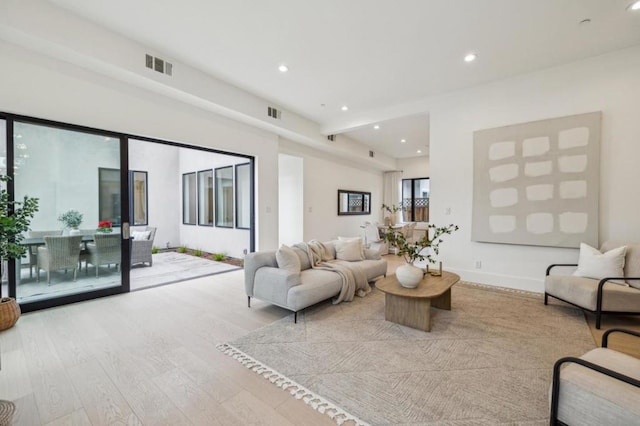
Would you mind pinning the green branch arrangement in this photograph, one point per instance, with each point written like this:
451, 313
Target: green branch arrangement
15, 217
412, 251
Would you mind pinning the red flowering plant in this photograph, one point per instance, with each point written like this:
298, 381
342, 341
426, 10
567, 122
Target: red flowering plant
104, 226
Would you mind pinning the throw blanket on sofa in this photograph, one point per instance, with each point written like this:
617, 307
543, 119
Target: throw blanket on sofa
354, 278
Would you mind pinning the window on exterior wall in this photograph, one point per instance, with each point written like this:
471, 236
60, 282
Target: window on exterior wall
205, 198
189, 211
243, 196
224, 197
139, 198
415, 200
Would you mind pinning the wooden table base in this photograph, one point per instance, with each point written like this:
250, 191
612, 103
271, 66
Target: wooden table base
412, 307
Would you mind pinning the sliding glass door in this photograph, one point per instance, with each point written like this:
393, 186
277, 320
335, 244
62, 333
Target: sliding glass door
76, 176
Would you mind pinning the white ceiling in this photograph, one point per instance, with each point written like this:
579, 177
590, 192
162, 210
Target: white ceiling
367, 54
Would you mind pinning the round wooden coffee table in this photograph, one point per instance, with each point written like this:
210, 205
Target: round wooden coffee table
412, 306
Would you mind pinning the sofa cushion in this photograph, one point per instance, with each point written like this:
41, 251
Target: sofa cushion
584, 292
349, 250
287, 259
596, 265
589, 397
317, 285
303, 257
373, 268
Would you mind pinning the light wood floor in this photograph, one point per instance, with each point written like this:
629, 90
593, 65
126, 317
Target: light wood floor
147, 357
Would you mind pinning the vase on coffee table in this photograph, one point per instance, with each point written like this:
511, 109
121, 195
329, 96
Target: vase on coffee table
409, 276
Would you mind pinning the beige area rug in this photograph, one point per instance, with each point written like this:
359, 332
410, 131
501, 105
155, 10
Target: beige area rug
487, 361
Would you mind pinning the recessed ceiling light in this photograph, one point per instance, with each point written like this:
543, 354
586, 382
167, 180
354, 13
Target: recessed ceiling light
419, 151
634, 6
344, 108
376, 127
470, 57
403, 140
283, 68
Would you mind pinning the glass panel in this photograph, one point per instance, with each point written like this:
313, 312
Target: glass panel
205, 198
139, 198
353, 202
76, 177
224, 197
421, 200
407, 200
109, 195
243, 196
189, 199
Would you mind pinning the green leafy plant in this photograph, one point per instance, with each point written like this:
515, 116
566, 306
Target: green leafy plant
392, 208
182, 249
15, 217
197, 252
154, 250
71, 219
412, 251
219, 257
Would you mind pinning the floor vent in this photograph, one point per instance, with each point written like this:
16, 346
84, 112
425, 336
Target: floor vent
372, 154
331, 137
158, 64
273, 113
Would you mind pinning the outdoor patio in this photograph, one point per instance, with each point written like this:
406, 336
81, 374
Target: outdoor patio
168, 267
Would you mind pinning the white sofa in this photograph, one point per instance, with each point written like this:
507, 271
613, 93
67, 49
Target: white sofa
298, 290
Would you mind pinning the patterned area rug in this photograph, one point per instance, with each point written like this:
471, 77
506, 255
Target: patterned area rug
487, 361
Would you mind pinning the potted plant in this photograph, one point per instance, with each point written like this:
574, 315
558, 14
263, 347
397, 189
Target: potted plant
105, 226
392, 210
15, 217
408, 274
72, 220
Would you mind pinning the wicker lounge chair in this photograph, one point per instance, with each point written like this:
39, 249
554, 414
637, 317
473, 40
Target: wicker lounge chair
33, 250
141, 248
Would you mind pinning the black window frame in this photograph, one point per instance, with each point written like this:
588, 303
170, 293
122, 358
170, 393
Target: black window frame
411, 205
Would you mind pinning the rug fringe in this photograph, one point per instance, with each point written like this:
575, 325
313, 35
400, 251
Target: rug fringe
298, 391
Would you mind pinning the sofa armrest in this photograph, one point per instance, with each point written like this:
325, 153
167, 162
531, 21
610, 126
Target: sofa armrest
372, 254
559, 264
605, 336
253, 262
555, 385
273, 284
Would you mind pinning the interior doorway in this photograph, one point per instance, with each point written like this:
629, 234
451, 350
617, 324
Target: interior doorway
291, 199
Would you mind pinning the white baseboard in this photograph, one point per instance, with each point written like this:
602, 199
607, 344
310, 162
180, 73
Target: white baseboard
500, 280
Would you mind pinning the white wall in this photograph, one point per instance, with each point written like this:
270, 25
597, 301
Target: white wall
38, 86
323, 176
212, 239
163, 188
291, 198
609, 83
414, 167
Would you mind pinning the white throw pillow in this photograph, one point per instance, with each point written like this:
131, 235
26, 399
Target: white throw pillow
358, 239
349, 250
593, 264
140, 235
287, 259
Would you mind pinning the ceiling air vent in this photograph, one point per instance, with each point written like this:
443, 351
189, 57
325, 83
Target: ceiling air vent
273, 113
372, 154
331, 137
158, 64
